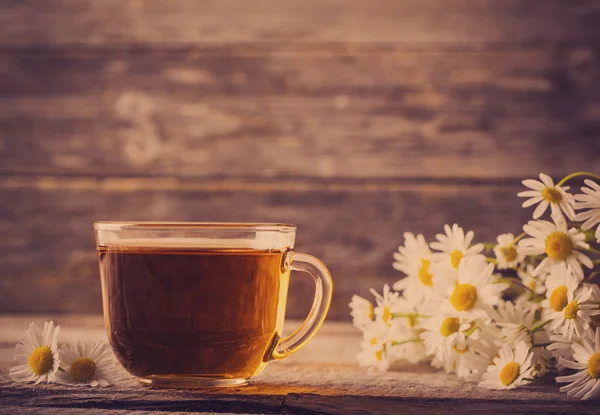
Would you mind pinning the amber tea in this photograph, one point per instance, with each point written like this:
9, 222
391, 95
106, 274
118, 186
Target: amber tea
202, 304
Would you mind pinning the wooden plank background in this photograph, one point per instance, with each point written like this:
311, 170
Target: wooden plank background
356, 121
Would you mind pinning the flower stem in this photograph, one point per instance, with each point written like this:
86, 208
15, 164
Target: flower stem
491, 260
515, 284
518, 238
591, 276
577, 174
407, 341
539, 327
592, 250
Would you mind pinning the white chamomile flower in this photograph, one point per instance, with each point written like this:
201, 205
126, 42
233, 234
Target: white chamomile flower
589, 200
476, 290
515, 320
547, 194
413, 259
362, 311
453, 247
586, 359
375, 347
442, 333
37, 355
512, 368
568, 306
86, 363
534, 283
508, 254
387, 304
559, 244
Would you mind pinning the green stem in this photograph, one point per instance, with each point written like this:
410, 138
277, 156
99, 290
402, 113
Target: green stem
591, 276
409, 315
577, 174
515, 284
471, 330
407, 341
539, 327
491, 260
518, 238
593, 250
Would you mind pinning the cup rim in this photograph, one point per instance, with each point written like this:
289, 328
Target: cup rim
162, 225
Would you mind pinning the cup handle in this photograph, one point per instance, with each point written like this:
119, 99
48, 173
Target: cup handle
314, 320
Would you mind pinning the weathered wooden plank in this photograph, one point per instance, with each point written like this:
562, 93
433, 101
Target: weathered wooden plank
47, 245
24, 410
322, 378
376, 113
24, 23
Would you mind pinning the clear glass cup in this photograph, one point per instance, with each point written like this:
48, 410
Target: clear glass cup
191, 304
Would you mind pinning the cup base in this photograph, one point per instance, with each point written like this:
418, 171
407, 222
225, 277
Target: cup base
196, 382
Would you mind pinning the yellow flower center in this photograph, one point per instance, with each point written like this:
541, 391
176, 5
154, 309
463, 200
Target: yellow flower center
559, 246
83, 369
424, 275
509, 373
571, 310
532, 284
460, 351
463, 297
551, 195
558, 298
593, 365
449, 326
386, 315
455, 257
371, 312
379, 355
374, 341
509, 253
41, 360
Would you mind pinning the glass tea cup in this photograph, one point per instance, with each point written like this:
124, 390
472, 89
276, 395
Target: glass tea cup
190, 304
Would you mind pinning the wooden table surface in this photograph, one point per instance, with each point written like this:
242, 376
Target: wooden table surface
321, 378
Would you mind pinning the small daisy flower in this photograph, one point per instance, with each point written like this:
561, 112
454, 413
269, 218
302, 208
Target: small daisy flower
534, 283
413, 259
37, 355
453, 247
586, 359
362, 311
86, 363
512, 368
567, 305
515, 320
387, 304
589, 200
375, 347
442, 333
476, 290
546, 194
559, 244
508, 254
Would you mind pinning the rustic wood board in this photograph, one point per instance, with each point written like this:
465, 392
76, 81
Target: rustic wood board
322, 378
324, 112
48, 241
26, 23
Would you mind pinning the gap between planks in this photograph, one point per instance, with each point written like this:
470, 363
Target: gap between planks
128, 184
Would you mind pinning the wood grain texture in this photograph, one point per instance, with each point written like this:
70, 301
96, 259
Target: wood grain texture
322, 378
326, 112
48, 256
25, 23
